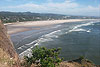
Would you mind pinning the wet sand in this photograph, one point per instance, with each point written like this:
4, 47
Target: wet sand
31, 25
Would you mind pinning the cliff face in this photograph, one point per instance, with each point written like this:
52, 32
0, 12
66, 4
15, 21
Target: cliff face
7, 50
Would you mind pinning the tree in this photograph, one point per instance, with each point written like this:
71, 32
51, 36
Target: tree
44, 57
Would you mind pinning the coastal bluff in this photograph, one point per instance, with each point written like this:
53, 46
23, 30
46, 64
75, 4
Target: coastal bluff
8, 55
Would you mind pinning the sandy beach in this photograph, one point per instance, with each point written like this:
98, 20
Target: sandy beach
25, 26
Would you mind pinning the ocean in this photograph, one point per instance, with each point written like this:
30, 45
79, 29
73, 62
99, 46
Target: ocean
76, 39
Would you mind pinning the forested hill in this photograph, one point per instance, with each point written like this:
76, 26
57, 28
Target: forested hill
7, 17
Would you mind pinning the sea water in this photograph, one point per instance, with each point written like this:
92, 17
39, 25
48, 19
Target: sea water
76, 39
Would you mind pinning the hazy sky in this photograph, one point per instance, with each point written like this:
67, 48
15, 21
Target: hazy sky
68, 7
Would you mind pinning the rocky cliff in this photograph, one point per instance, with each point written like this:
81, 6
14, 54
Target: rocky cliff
8, 54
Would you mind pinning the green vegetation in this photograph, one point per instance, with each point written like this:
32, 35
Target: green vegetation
8, 17
44, 57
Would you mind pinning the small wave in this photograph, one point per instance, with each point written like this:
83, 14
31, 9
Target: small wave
43, 38
88, 30
79, 30
31, 42
24, 39
26, 53
78, 27
19, 48
48, 37
22, 47
52, 34
57, 26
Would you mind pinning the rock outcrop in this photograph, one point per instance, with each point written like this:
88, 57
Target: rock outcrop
7, 51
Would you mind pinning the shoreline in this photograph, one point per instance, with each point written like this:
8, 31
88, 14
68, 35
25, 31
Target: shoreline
28, 25
27, 39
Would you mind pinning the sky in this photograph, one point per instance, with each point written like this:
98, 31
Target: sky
67, 7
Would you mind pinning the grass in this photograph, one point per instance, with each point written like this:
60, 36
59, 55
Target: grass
5, 60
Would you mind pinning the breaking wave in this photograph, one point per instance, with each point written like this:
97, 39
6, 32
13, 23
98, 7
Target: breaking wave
52, 35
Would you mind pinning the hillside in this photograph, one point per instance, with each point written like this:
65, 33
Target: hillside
8, 55
7, 17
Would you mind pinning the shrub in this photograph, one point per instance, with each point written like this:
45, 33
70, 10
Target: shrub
44, 57
81, 57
